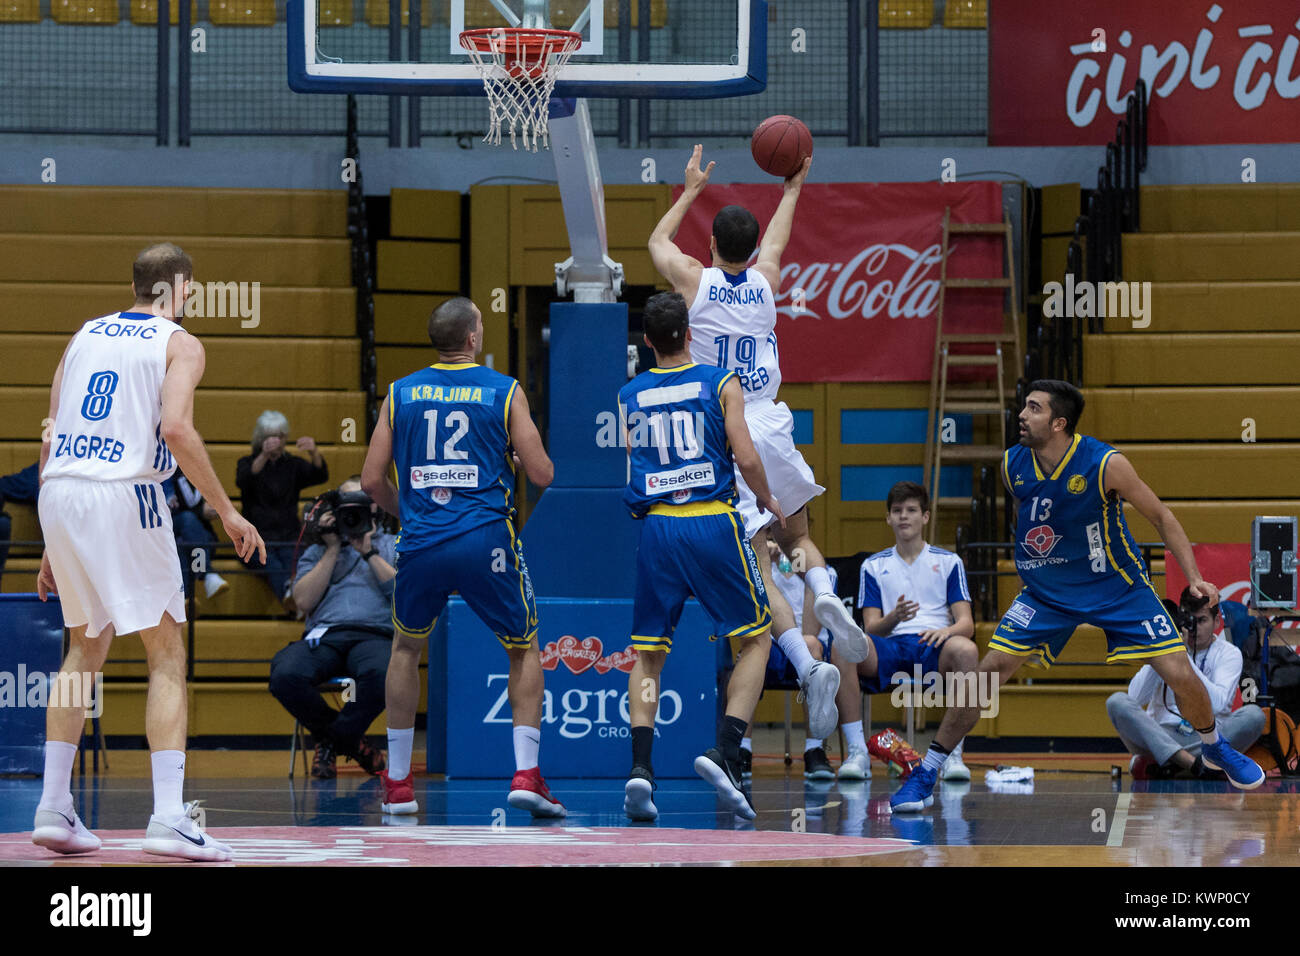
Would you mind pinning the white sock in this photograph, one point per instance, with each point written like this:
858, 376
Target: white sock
792, 644
527, 742
819, 581
810, 744
853, 736
747, 744
1211, 738
934, 760
400, 743
56, 792
168, 783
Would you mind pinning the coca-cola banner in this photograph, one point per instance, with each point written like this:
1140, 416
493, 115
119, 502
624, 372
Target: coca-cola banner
1215, 73
860, 277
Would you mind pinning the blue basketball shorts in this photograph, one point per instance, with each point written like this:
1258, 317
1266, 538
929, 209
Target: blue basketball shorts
486, 565
705, 555
1136, 624
900, 653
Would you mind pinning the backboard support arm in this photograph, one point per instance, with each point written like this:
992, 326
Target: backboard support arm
589, 273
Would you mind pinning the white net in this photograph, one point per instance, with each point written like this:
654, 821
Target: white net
519, 68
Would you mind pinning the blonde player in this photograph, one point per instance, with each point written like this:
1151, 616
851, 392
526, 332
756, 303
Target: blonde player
122, 410
733, 323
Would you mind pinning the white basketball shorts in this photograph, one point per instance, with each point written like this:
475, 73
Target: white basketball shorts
789, 478
113, 554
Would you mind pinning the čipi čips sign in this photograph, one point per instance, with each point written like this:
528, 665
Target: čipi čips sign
586, 659
1216, 72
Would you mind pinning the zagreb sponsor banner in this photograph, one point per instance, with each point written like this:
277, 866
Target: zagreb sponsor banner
586, 657
1215, 72
860, 276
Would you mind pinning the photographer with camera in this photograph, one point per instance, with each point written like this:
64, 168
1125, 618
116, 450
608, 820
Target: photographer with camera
344, 585
1163, 743
269, 481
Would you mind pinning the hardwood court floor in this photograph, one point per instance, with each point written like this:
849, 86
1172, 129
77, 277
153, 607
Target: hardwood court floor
1067, 818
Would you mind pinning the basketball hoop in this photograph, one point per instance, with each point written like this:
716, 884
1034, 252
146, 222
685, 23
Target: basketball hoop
519, 68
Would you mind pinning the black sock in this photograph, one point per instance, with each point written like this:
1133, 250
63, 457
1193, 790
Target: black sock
642, 739
730, 736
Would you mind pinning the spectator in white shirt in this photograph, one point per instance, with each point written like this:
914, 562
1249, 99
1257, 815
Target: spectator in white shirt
1161, 740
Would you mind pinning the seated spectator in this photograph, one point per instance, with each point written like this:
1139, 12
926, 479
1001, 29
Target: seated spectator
192, 524
779, 669
929, 624
1161, 740
270, 481
345, 587
22, 487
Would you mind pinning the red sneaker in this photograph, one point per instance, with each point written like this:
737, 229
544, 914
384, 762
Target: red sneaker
893, 750
528, 791
399, 795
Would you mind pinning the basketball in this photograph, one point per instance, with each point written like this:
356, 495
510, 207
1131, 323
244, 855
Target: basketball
780, 144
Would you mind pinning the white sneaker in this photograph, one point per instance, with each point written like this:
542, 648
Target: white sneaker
953, 768
182, 837
214, 584
62, 832
834, 616
856, 766
638, 803
818, 691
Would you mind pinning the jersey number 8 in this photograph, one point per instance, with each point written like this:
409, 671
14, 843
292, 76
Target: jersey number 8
99, 396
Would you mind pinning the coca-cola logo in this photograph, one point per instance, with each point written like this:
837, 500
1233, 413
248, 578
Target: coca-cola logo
864, 286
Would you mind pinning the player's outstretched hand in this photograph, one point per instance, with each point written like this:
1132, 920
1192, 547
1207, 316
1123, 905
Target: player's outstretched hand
241, 531
697, 179
45, 579
773, 507
1206, 589
796, 179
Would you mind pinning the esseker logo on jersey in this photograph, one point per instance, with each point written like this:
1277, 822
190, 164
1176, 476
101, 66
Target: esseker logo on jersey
691, 476
444, 476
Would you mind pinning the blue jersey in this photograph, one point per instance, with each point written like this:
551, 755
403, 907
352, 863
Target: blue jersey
1073, 547
677, 438
451, 449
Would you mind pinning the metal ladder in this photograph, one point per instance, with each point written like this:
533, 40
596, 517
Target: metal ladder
987, 400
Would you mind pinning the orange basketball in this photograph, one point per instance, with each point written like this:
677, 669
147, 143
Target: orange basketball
780, 145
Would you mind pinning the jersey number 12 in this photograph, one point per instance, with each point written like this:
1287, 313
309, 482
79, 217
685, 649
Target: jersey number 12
450, 452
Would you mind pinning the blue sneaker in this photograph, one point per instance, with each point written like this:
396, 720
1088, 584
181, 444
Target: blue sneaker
1243, 773
916, 793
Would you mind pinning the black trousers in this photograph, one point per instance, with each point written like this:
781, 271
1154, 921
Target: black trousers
297, 669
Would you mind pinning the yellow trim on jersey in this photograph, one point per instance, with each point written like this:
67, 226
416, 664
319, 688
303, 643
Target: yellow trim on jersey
391, 409
693, 509
722, 382
510, 397
1006, 472
515, 642
454, 367
1101, 475
675, 368
1060, 466
1110, 555
515, 549
749, 577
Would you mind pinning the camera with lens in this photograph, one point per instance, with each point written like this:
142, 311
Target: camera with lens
353, 512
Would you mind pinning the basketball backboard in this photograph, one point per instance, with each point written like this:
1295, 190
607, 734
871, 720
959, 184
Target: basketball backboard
697, 50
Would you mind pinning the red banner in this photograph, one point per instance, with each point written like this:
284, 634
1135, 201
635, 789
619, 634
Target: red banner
860, 276
1215, 72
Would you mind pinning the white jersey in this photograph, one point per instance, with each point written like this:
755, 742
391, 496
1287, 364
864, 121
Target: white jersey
733, 326
109, 423
936, 579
